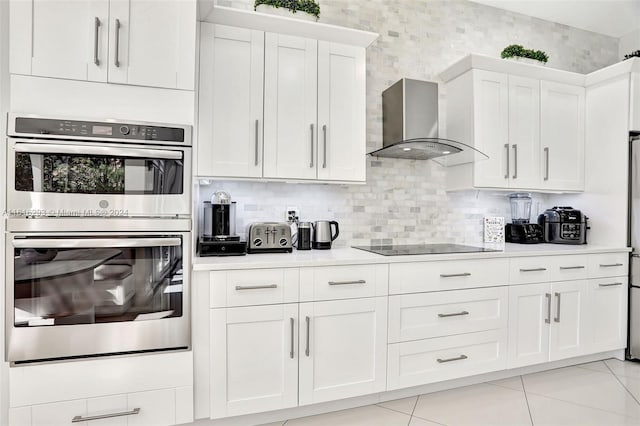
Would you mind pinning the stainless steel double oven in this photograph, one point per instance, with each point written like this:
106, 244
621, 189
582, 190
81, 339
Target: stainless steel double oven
98, 237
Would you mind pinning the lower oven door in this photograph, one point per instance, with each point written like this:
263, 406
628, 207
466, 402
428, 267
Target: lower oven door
86, 294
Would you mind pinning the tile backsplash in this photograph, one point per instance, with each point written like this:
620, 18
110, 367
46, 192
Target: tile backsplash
404, 201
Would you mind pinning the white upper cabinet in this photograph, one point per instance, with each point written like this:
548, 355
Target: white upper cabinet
341, 112
524, 132
290, 107
231, 97
562, 136
137, 42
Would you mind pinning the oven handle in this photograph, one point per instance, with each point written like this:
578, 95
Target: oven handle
95, 242
97, 150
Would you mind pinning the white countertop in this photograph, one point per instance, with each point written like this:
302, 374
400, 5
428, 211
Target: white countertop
351, 256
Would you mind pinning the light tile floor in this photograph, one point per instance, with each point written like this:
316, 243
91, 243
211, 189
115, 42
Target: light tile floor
600, 393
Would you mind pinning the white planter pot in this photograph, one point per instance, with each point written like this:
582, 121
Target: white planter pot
282, 11
527, 61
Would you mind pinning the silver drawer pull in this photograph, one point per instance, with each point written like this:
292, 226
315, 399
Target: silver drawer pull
255, 287
610, 265
557, 318
533, 270
78, 419
464, 274
571, 267
458, 358
347, 282
547, 320
609, 284
457, 314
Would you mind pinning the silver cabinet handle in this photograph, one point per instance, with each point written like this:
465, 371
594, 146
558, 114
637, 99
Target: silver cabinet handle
347, 282
457, 314
515, 161
609, 284
533, 270
324, 137
610, 265
547, 320
458, 358
506, 148
78, 419
311, 162
255, 287
557, 317
94, 242
308, 322
116, 60
257, 130
463, 274
291, 321
96, 33
546, 162
571, 267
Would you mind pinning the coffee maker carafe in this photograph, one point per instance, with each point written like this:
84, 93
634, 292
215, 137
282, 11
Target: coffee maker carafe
218, 233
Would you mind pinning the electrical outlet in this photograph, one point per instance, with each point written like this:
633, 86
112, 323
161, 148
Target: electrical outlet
291, 213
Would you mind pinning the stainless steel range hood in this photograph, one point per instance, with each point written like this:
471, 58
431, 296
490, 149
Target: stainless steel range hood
410, 126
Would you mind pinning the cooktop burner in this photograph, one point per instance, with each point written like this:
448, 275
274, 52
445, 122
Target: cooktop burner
401, 250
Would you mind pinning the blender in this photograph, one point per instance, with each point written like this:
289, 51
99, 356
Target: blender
520, 230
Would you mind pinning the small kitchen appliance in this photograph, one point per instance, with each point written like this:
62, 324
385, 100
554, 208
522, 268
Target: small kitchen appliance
322, 235
564, 225
269, 237
218, 235
520, 230
304, 236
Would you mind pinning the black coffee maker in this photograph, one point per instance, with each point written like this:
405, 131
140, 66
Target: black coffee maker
218, 233
520, 230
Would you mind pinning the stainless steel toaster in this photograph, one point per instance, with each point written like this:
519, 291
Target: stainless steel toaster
269, 237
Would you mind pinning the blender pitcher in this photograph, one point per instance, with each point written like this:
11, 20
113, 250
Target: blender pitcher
520, 207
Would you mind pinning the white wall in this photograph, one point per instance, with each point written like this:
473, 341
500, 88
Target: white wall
629, 42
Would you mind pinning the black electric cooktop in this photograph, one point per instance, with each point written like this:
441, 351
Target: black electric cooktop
401, 250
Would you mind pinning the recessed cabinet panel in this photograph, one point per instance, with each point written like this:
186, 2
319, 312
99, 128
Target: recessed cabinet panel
568, 335
290, 107
524, 132
529, 319
608, 313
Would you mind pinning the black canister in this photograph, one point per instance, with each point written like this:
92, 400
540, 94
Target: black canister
304, 236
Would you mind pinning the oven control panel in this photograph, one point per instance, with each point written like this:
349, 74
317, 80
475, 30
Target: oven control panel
40, 127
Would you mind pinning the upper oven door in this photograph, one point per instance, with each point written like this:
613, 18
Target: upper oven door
63, 178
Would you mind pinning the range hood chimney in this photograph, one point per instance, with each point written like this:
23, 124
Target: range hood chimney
410, 126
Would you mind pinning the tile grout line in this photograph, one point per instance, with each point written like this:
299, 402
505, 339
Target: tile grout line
622, 384
526, 400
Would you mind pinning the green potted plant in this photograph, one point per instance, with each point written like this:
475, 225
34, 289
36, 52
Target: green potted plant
302, 9
634, 54
517, 52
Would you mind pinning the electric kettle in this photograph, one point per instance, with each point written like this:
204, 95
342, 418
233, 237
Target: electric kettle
322, 235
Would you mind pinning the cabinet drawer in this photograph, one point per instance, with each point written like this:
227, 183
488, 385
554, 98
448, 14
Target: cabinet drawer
447, 275
524, 270
566, 268
608, 265
444, 358
253, 287
343, 282
425, 315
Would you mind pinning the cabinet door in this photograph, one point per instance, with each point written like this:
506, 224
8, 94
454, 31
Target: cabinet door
231, 96
341, 112
524, 132
568, 336
562, 136
529, 317
491, 128
608, 313
343, 349
60, 39
152, 43
290, 107
254, 359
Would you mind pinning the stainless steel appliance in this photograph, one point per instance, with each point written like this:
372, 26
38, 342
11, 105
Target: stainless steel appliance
269, 237
633, 349
69, 167
421, 249
410, 126
322, 235
520, 230
304, 236
218, 231
96, 291
564, 225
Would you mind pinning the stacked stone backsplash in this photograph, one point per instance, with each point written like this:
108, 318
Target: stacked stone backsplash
405, 201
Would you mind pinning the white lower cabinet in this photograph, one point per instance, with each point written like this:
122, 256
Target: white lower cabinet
608, 313
343, 349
